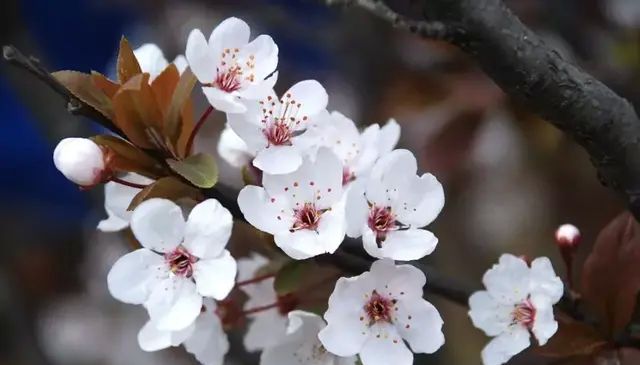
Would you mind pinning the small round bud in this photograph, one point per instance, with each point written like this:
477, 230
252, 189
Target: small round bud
568, 235
80, 160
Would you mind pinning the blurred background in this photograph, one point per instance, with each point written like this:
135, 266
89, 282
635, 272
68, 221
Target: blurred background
510, 178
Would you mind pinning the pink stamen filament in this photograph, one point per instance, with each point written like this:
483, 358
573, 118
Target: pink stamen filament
307, 217
181, 262
379, 308
524, 314
381, 220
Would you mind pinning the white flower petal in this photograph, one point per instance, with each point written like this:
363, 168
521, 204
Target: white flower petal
150, 338
230, 33
301, 244
278, 159
545, 281
271, 215
181, 63
345, 333
209, 342
248, 266
247, 130
311, 96
544, 325
508, 281
402, 281
233, 149
385, 346
208, 229
403, 245
300, 345
420, 201
259, 294
215, 277
388, 137
332, 228
260, 90
223, 101
357, 209
200, 57
266, 329
174, 304
395, 169
265, 55
80, 160
158, 224
117, 198
134, 276
113, 223
489, 315
505, 346
420, 324
151, 59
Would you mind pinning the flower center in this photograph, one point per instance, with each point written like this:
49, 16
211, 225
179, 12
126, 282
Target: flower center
228, 80
379, 308
307, 217
381, 220
524, 314
180, 262
278, 134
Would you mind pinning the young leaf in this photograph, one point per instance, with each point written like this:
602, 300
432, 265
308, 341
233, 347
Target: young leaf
289, 277
81, 85
128, 65
163, 87
199, 169
573, 339
611, 274
181, 95
168, 187
126, 157
108, 87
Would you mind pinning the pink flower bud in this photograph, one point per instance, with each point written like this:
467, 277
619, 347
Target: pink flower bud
80, 160
567, 236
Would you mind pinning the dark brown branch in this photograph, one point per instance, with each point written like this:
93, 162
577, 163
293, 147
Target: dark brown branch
529, 70
75, 106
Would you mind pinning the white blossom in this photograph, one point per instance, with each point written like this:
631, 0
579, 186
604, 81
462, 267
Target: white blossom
152, 60
80, 160
230, 67
519, 299
117, 198
357, 150
233, 149
205, 338
390, 207
268, 327
374, 313
301, 346
180, 262
303, 210
276, 130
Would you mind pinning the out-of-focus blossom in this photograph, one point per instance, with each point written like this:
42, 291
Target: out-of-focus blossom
301, 344
233, 149
303, 210
231, 68
374, 313
519, 299
152, 60
180, 262
390, 207
117, 198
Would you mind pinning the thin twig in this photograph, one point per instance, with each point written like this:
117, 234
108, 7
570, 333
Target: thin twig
426, 29
196, 129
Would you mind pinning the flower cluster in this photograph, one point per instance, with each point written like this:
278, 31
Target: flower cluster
313, 178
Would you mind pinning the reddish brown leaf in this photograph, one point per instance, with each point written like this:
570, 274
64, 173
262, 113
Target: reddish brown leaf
126, 157
187, 125
181, 97
573, 339
169, 187
611, 274
82, 87
128, 65
163, 87
107, 86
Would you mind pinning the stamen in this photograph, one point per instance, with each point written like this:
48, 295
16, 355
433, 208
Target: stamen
307, 217
524, 314
381, 220
379, 308
181, 262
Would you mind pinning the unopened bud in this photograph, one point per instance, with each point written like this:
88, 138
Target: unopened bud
568, 236
80, 160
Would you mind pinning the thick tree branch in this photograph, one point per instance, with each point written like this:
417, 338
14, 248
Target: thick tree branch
529, 70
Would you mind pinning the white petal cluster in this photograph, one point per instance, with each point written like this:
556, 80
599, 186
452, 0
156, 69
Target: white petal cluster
80, 160
518, 301
180, 262
152, 60
373, 314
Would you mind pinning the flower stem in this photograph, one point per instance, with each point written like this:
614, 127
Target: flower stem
261, 308
128, 183
257, 279
196, 129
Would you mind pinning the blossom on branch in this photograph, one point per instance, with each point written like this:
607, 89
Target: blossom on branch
519, 299
230, 68
303, 210
152, 60
301, 344
374, 313
276, 130
180, 262
80, 160
117, 198
390, 207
